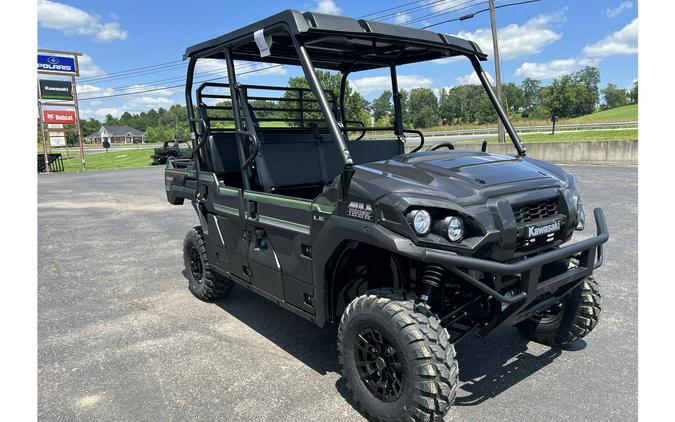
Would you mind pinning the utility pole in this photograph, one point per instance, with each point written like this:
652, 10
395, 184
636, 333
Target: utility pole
498, 71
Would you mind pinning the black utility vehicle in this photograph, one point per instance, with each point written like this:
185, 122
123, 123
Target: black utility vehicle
407, 252
170, 151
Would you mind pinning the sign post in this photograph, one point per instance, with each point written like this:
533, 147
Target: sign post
58, 63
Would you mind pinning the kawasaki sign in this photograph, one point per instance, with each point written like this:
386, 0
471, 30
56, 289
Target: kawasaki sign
56, 90
61, 64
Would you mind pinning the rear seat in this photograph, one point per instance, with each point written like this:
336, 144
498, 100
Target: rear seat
295, 162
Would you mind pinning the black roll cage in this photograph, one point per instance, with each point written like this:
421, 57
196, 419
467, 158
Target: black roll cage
242, 115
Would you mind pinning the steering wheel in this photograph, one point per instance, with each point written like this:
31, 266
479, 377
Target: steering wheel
448, 145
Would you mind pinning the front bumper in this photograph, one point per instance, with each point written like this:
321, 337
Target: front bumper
536, 292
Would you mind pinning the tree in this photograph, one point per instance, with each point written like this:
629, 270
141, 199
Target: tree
587, 91
531, 91
614, 96
160, 133
514, 97
423, 108
382, 106
467, 104
110, 120
356, 107
558, 98
572, 95
633, 93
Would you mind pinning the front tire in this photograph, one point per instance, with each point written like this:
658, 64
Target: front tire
203, 282
397, 359
568, 321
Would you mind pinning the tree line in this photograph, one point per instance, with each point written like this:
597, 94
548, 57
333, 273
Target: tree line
567, 96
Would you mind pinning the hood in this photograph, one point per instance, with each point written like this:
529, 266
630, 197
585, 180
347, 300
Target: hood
462, 175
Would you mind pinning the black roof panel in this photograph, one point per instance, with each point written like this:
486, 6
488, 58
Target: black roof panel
337, 42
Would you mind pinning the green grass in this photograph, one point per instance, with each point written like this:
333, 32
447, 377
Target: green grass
110, 160
627, 113
583, 135
576, 136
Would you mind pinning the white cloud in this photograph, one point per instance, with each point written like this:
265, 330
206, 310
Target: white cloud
93, 91
326, 6
613, 12
401, 18
147, 102
439, 6
160, 90
218, 67
472, 79
621, 42
72, 20
88, 68
519, 40
375, 84
100, 113
261, 69
554, 68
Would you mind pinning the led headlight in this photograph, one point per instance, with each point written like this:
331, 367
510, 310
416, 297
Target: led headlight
421, 221
454, 228
576, 202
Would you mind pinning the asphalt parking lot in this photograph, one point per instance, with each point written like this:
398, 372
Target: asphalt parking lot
120, 338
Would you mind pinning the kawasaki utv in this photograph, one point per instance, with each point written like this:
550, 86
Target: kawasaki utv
408, 252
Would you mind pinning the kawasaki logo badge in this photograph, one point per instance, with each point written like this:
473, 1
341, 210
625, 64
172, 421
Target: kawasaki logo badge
534, 231
359, 210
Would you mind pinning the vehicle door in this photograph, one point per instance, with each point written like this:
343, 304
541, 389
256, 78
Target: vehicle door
279, 254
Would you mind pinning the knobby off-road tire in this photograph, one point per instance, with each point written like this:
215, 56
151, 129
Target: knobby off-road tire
204, 283
420, 352
572, 319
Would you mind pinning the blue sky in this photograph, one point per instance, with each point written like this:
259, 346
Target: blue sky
539, 40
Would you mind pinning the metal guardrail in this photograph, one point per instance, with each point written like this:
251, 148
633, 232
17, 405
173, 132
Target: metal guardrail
524, 129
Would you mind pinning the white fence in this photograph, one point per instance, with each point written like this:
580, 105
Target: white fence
519, 129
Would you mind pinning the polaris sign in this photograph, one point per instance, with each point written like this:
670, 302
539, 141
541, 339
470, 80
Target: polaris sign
61, 64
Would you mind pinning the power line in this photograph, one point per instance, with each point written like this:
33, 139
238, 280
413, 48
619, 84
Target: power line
91, 78
471, 15
454, 8
172, 79
390, 8
176, 86
411, 9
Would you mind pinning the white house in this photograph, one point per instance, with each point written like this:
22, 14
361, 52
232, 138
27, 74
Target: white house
117, 134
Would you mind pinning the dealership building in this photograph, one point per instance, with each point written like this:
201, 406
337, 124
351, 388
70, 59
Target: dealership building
117, 134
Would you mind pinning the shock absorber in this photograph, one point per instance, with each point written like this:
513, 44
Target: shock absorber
432, 278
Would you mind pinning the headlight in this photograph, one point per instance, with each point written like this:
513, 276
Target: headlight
576, 202
421, 221
454, 228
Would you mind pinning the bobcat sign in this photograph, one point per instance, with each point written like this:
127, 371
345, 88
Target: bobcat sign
66, 117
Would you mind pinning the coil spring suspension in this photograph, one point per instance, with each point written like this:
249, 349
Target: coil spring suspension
432, 278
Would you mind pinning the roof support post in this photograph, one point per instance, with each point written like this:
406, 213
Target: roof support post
343, 89
188, 100
498, 107
320, 95
234, 98
396, 98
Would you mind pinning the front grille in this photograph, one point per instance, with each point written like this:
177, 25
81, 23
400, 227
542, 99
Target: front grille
523, 245
535, 210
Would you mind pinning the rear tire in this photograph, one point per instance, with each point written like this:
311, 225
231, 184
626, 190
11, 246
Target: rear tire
203, 282
570, 320
397, 359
